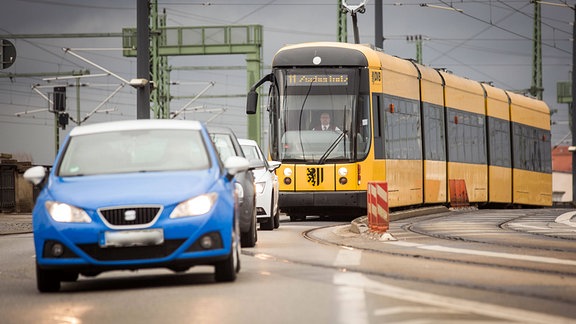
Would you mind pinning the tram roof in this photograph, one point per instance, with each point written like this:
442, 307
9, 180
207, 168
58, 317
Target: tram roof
497, 102
529, 111
330, 54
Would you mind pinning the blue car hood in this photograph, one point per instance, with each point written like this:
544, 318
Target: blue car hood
163, 188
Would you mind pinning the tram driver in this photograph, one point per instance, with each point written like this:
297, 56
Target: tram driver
325, 124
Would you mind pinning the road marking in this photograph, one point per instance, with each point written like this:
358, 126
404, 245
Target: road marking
351, 305
566, 219
358, 280
486, 253
351, 300
347, 257
531, 226
413, 310
499, 233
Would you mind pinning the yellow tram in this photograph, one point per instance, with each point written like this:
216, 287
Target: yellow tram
431, 135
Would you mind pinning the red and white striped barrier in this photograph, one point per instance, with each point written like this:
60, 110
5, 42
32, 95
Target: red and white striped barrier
378, 212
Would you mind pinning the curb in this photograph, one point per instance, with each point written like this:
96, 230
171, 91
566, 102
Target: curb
360, 224
15, 224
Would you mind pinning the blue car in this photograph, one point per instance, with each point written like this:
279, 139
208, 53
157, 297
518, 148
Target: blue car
136, 194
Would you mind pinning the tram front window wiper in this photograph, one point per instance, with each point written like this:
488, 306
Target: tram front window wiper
332, 147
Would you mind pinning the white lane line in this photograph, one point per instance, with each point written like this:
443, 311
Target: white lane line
347, 257
566, 219
499, 233
358, 280
486, 253
351, 300
541, 228
414, 310
351, 303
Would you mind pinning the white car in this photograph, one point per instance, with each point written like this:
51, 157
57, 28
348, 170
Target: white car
266, 182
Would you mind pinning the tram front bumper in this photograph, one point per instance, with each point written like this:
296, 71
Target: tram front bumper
353, 199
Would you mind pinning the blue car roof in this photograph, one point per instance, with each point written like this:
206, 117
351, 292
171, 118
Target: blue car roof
136, 125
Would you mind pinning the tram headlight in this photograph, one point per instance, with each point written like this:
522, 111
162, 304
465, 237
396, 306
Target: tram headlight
342, 172
343, 180
287, 172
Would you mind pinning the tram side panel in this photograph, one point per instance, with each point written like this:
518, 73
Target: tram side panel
466, 135
532, 161
499, 145
433, 133
400, 118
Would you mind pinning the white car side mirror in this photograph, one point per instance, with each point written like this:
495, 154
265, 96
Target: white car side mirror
273, 165
35, 174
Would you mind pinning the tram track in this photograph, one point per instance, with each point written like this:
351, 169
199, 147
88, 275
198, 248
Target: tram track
411, 232
545, 240
413, 254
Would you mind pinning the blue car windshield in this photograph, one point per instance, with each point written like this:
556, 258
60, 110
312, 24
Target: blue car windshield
149, 150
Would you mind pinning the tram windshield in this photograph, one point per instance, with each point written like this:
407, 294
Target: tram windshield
319, 116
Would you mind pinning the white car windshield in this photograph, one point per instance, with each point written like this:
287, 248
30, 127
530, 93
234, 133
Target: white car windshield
224, 145
134, 151
251, 153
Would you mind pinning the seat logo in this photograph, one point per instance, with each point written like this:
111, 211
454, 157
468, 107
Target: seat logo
130, 215
315, 176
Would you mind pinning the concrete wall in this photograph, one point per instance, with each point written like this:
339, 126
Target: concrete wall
561, 187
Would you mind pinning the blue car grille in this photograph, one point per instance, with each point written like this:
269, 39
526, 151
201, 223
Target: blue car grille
133, 252
129, 216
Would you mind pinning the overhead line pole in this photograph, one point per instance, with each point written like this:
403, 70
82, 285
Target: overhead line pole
573, 107
342, 26
143, 59
536, 88
379, 25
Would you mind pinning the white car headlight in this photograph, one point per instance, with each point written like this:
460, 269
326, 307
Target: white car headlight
65, 213
196, 206
260, 186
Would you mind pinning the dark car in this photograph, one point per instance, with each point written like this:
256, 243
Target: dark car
227, 145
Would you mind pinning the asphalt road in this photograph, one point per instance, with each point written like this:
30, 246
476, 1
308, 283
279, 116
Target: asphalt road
459, 266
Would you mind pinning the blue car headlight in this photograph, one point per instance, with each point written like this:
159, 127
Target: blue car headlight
196, 206
65, 213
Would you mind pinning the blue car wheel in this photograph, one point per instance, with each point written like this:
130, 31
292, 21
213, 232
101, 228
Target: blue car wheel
226, 270
47, 280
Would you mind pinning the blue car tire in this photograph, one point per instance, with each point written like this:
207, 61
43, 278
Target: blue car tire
226, 270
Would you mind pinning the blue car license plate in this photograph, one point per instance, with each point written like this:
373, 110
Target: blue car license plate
154, 236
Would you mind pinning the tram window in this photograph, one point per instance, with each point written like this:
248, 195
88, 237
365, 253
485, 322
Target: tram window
378, 119
362, 128
531, 148
546, 152
466, 137
402, 129
434, 132
499, 137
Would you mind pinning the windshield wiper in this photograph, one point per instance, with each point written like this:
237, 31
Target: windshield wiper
73, 175
332, 147
300, 118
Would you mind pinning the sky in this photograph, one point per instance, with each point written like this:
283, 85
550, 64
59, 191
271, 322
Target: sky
484, 40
